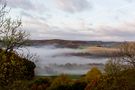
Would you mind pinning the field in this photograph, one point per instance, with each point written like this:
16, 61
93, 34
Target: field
98, 52
101, 51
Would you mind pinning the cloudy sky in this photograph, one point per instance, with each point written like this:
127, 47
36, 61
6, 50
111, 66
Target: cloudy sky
76, 19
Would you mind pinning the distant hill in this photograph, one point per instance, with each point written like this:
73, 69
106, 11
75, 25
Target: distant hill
72, 43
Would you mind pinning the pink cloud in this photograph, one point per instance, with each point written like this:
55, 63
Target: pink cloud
73, 5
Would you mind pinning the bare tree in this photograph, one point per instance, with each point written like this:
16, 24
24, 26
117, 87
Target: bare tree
3, 12
127, 50
114, 66
125, 61
11, 34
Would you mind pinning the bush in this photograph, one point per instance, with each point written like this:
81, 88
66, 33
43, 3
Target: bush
115, 78
61, 83
93, 74
129, 76
14, 68
78, 85
110, 83
19, 85
40, 84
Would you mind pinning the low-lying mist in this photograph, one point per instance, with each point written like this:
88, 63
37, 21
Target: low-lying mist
54, 61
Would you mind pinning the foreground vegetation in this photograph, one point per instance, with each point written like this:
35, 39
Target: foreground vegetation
93, 80
17, 71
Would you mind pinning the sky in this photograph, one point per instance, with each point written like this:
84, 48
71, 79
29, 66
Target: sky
100, 20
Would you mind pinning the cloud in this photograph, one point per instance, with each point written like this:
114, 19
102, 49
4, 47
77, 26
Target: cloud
23, 4
54, 24
73, 5
26, 14
41, 30
123, 32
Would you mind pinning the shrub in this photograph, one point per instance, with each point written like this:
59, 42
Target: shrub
123, 81
61, 83
93, 74
111, 83
19, 85
40, 84
129, 75
78, 85
14, 68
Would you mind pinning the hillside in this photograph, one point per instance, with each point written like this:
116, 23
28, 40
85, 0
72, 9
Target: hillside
72, 43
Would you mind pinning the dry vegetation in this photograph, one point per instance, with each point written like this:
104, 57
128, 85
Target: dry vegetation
101, 51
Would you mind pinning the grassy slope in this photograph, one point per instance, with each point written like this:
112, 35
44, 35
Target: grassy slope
101, 50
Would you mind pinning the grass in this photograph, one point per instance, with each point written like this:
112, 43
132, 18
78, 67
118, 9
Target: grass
94, 50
